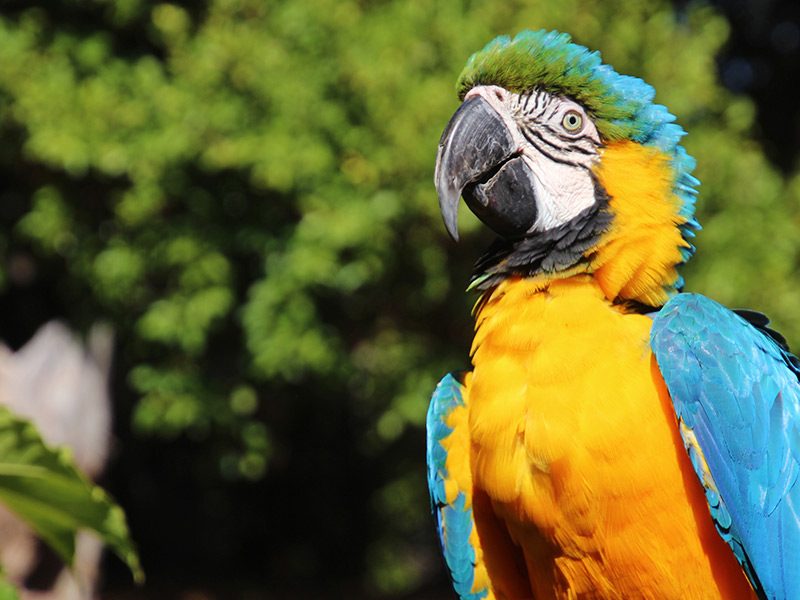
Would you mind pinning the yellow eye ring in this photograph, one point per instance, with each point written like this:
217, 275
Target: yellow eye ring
572, 121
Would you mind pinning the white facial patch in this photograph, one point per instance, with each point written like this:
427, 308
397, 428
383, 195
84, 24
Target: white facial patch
562, 191
558, 141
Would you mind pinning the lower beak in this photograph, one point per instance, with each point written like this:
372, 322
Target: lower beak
479, 158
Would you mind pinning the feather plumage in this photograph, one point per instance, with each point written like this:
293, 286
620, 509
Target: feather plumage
737, 397
451, 494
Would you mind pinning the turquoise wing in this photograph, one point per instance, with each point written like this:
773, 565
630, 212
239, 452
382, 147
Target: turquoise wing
454, 520
734, 386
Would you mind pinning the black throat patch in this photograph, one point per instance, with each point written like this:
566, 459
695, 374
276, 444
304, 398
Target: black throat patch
546, 252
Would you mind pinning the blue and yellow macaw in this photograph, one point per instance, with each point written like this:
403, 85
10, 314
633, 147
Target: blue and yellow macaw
614, 438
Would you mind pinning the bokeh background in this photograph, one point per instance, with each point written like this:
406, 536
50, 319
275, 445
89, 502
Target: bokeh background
242, 190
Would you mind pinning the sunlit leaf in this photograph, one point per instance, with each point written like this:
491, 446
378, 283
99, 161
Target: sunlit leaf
43, 487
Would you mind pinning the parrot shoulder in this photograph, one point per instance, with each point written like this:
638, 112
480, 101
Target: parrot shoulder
735, 390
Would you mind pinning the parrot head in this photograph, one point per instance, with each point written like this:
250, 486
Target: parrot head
573, 167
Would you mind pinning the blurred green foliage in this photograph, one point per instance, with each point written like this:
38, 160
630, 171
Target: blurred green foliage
244, 188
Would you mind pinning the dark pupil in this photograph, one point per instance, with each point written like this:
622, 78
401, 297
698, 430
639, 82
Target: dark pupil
572, 120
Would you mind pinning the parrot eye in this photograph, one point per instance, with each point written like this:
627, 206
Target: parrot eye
572, 121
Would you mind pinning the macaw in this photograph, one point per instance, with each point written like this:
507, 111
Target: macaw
615, 438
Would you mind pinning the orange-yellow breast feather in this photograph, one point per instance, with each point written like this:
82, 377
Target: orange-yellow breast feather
574, 444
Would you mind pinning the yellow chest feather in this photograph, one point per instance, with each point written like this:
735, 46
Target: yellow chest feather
575, 445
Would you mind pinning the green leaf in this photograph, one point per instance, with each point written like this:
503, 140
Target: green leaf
43, 487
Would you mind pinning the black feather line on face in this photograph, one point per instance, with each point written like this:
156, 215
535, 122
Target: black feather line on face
550, 251
529, 135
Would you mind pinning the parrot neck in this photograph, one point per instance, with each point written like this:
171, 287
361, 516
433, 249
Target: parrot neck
637, 258
631, 241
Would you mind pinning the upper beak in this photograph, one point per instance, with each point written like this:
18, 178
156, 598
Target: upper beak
479, 158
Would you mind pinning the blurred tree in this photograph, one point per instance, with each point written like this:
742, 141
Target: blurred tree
244, 189
763, 54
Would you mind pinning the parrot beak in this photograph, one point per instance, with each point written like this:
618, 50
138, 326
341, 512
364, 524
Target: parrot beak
479, 158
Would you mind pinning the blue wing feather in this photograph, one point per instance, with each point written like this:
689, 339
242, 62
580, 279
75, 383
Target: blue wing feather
736, 394
454, 521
